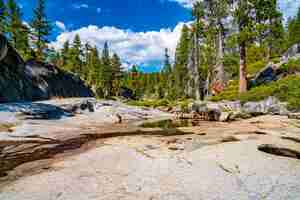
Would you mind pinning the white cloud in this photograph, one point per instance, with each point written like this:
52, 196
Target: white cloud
289, 7
142, 48
99, 10
79, 6
61, 25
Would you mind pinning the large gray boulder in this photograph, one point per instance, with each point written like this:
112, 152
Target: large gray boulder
32, 80
270, 105
3, 47
292, 52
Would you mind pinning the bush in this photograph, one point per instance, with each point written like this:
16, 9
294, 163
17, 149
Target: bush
256, 67
286, 90
231, 65
230, 93
292, 67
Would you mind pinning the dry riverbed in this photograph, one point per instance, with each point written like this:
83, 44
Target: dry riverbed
91, 157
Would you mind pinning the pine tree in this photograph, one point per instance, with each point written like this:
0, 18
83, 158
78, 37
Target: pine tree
167, 69
95, 69
166, 76
107, 78
269, 26
117, 73
14, 22
75, 56
254, 19
65, 51
3, 17
41, 28
18, 32
294, 30
181, 61
244, 18
216, 12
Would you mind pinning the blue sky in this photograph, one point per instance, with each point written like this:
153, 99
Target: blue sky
138, 30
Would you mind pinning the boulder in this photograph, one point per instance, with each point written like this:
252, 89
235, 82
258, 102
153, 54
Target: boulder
3, 47
81, 107
265, 76
292, 52
197, 106
126, 93
269, 106
32, 80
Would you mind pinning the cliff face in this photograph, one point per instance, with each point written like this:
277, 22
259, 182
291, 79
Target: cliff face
32, 80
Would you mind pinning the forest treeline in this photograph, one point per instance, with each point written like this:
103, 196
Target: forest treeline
227, 40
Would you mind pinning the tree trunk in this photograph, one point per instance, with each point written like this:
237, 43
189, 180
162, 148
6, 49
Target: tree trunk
243, 68
220, 74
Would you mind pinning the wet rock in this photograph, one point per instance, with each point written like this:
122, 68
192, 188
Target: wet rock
214, 115
126, 93
279, 150
42, 111
81, 107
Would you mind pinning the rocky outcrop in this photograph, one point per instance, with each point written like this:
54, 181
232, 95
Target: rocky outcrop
32, 80
292, 52
53, 82
232, 110
269, 106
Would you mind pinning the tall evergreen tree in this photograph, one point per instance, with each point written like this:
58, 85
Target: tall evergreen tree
245, 20
167, 65
294, 29
269, 26
18, 32
41, 28
77, 55
14, 22
107, 78
95, 69
3, 17
181, 61
117, 73
65, 52
216, 13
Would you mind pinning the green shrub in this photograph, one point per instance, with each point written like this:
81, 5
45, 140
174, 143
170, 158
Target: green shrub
286, 90
230, 93
293, 66
231, 64
256, 67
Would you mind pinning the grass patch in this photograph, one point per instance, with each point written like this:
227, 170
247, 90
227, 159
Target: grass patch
7, 127
256, 67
